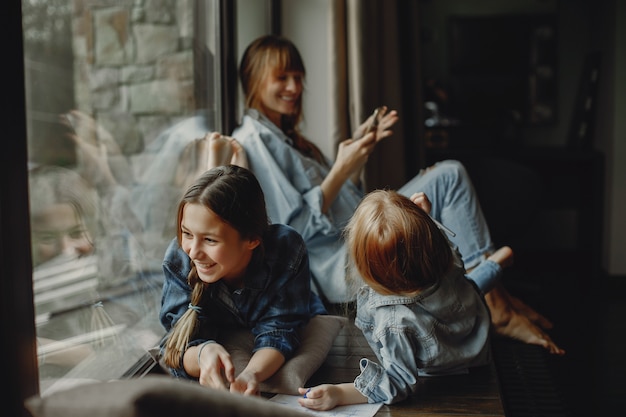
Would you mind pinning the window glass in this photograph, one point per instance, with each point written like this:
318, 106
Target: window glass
116, 93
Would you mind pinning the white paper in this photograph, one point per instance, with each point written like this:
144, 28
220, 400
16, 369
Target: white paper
355, 410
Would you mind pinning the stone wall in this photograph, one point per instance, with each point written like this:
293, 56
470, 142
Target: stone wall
133, 66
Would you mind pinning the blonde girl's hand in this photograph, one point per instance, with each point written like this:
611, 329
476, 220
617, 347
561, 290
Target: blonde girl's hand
422, 201
216, 366
383, 131
321, 398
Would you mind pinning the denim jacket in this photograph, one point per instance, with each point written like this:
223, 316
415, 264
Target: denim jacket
442, 330
275, 303
291, 183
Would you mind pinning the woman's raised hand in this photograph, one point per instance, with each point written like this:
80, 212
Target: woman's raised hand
352, 155
386, 121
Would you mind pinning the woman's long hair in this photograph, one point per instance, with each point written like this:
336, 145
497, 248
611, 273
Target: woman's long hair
262, 58
395, 245
235, 195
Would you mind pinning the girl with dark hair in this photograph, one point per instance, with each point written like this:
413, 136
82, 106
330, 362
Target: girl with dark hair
230, 268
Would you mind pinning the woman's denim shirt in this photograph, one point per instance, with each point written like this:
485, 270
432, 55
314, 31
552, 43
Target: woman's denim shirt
291, 183
275, 303
443, 330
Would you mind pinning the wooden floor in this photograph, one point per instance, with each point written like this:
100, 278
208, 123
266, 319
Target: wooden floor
473, 394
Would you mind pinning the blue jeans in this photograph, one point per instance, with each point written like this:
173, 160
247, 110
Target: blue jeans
455, 204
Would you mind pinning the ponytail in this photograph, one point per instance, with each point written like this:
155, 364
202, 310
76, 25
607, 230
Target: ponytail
185, 327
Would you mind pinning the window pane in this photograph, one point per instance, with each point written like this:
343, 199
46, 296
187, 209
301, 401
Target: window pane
117, 91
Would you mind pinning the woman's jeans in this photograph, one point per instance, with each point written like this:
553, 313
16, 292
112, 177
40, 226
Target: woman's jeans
455, 204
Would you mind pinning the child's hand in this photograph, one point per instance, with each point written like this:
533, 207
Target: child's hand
422, 201
216, 367
322, 397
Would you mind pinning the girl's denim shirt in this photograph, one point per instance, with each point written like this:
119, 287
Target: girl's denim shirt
443, 330
275, 303
291, 183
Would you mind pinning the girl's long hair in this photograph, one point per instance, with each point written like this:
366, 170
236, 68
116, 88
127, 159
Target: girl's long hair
395, 245
262, 58
235, 195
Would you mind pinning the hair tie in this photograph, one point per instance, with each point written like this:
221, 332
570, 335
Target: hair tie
197, 309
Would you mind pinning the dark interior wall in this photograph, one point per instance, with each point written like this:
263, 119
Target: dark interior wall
574, 20
583, 26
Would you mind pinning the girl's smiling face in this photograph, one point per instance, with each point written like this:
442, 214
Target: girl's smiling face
59, 230
280, 94
216, 248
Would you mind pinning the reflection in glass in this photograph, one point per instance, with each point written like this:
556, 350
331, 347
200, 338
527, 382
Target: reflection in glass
116, 94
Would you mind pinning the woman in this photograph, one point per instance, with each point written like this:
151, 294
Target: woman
229, 268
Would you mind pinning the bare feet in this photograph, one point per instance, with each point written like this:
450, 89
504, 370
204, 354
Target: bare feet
503, 256
224, 150
205, 153
220, 150
529, 312
509, 319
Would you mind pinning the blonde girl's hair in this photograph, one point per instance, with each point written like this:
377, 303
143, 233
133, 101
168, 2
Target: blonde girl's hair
262, 58
235, 195
395, 246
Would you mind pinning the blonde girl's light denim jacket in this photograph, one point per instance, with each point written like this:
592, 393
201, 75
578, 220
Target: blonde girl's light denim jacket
443, 330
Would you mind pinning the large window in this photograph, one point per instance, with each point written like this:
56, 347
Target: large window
116, 93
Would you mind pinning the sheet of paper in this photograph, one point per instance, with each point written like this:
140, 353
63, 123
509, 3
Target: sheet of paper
355, 410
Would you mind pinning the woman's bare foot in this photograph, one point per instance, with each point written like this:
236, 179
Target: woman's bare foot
503, 256
224, 150
220, 150
205, 153
239, 154
509, 322
529, 312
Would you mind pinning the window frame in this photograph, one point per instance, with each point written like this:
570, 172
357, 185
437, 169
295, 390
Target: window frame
17, 316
